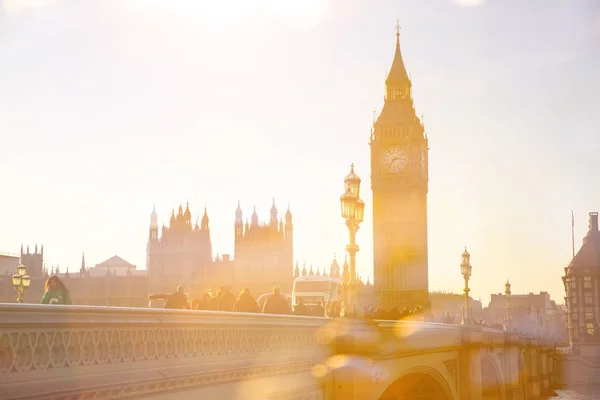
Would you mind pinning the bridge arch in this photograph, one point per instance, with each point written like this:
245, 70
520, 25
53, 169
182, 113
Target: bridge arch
419, 383
491, 379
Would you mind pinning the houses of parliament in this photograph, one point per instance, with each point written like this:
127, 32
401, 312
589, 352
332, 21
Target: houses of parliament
181, 252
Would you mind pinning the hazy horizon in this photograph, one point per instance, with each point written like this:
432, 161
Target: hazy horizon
107, 108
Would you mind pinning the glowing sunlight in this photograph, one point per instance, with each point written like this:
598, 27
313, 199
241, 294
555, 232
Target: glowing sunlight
17, 6
226, 15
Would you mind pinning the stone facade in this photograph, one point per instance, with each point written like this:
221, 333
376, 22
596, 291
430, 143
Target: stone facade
181, 254
582, 287
114, 282
34, 261
529, 313
399, 181
54, 352
264, 251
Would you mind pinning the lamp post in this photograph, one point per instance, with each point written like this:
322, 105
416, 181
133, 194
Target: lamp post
353, 210
507, 294
465, 269
21, 281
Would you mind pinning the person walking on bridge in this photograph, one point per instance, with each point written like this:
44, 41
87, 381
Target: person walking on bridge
246, 302
276, 303
55, 292
176, 301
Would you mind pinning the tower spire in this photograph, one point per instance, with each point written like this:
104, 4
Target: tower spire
204, 222
398, 72
82, 269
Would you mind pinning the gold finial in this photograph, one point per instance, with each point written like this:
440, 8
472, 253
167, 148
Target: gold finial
374, 115
352, 167
398, 27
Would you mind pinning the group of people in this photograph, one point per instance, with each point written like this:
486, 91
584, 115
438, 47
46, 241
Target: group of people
55, 292
394, 313
225, 300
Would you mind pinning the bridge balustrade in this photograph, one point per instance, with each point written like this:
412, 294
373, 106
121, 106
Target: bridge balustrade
80, 352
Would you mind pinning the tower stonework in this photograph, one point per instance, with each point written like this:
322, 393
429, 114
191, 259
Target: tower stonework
399, 181
263, 255
33, 261
181, 255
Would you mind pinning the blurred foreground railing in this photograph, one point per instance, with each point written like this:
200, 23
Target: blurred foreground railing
49, 351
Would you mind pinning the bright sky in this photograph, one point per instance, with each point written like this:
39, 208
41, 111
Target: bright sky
107, 107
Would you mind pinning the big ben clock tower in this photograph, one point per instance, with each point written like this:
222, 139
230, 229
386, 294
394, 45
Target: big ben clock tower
399, 180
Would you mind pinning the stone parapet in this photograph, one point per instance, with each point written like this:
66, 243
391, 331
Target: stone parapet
87, 350
57, 352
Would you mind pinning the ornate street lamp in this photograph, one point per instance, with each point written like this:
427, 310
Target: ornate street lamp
507, 294
21, 281
353, 211
465, 269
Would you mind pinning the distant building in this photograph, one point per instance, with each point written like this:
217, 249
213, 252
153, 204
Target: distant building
33, 261
366, 291
8, 264
441, 303
533, 314
181, 254
114, 282
264, 252
399, 181
582, 288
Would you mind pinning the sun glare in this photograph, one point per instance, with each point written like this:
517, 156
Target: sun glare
469, 3
227, 14
17, 6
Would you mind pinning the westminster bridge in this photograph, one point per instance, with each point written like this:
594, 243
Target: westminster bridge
80, 352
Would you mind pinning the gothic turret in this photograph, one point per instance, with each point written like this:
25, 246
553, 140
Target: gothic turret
273, 221
153, 217
239, 222
289, 226
187, 216
254, 218
345, 271
296, 271
334, 270
304, 270
153, 224
204, 222
82, 269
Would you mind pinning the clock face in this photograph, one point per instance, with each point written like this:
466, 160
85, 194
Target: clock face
394, 159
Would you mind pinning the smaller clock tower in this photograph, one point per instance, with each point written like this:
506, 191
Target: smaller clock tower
399, 180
